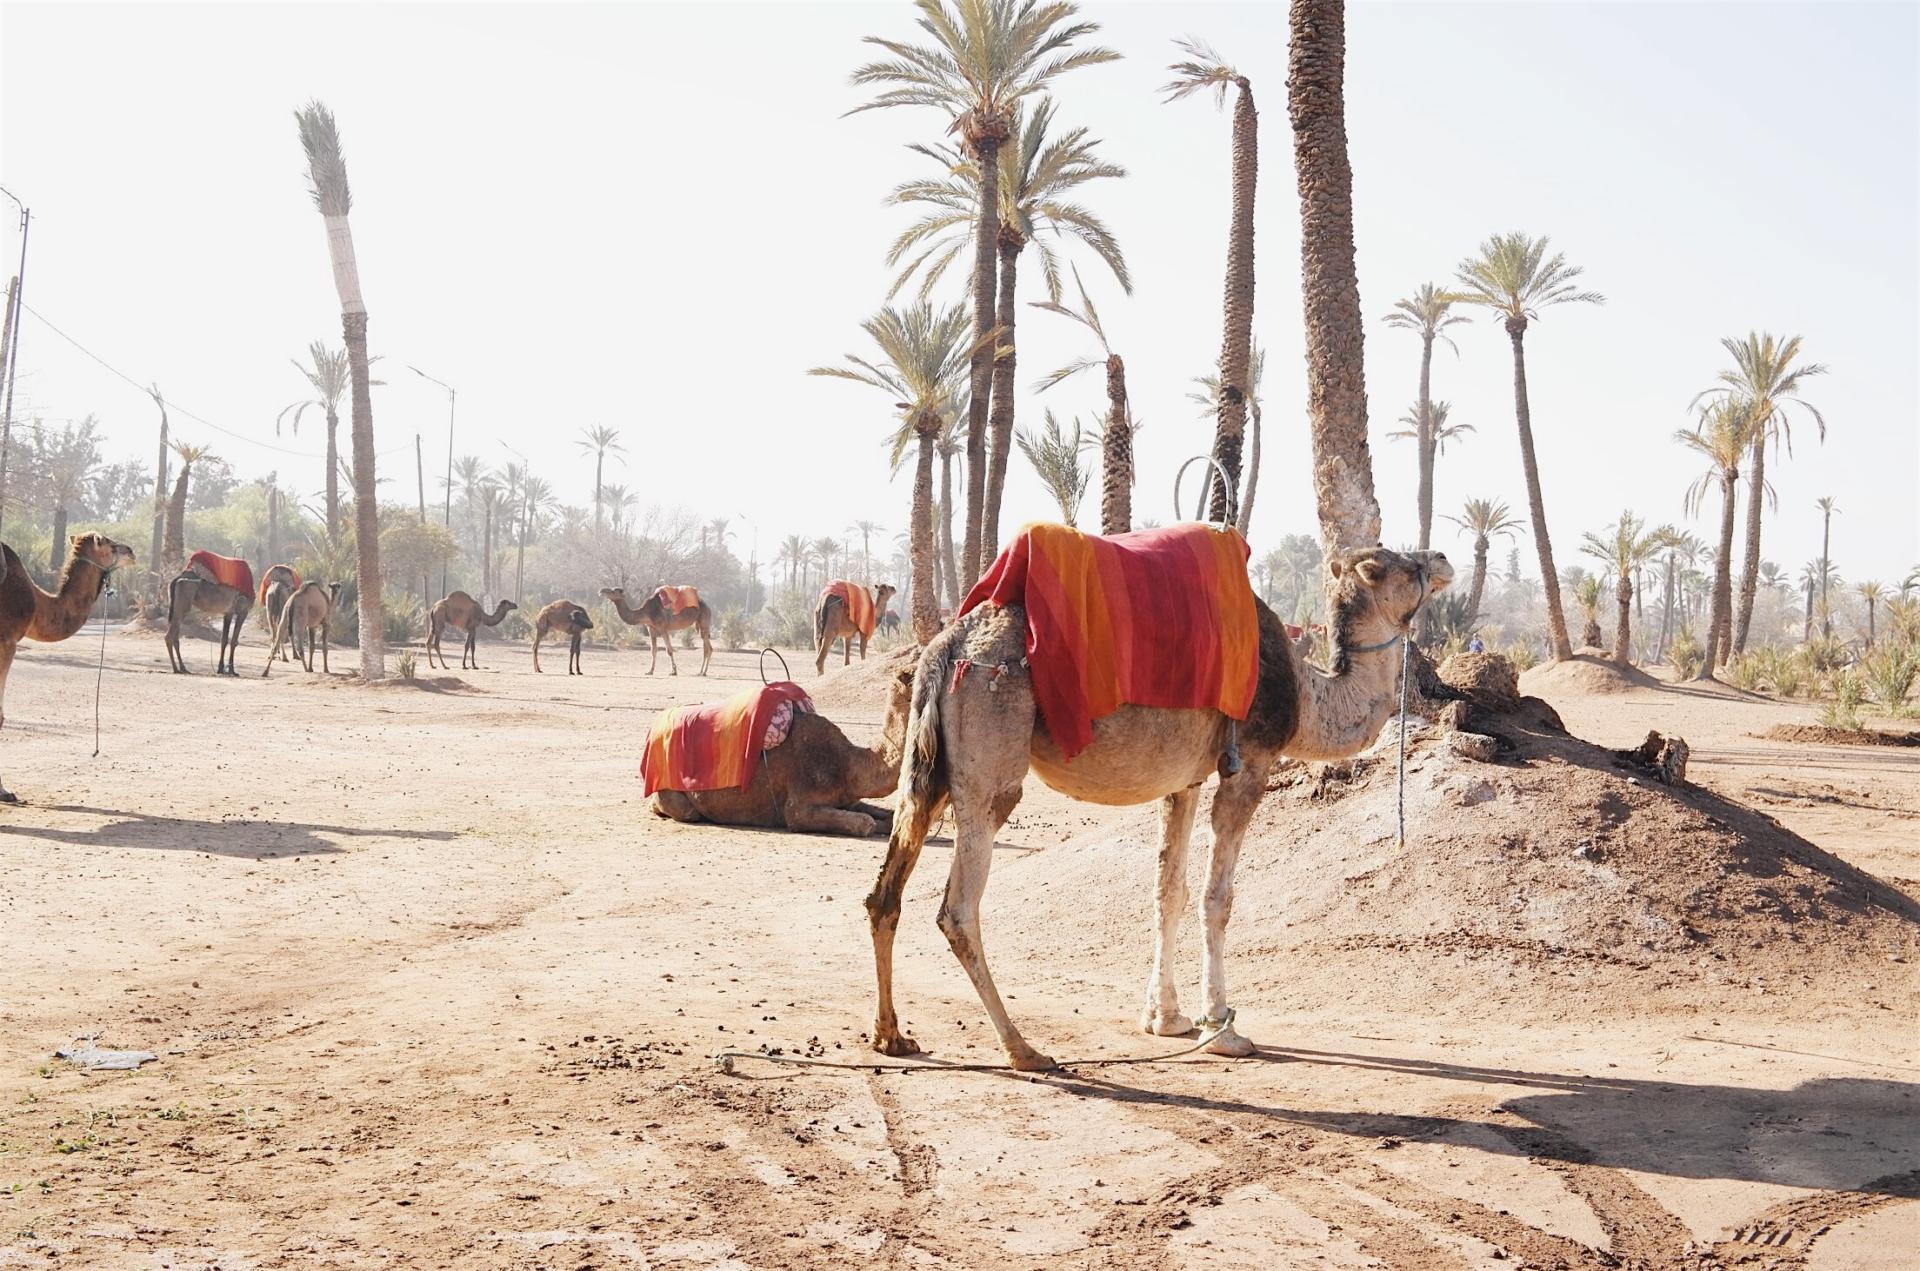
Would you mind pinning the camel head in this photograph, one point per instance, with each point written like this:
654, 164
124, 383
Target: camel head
333, 593
882, 592
580, 620
1377, 592
502, 609
618, 595
101, 551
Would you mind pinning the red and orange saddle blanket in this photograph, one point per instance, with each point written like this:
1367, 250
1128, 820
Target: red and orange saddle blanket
678, 599
224, 570
1159, 617
266, 581
859, 603
718, 746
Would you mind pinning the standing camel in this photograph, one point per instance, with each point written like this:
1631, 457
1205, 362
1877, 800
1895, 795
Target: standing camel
28, 613
971, 742
210, 585
276, 588
662, 617
464, 614
305, 614
564, 618
834, 618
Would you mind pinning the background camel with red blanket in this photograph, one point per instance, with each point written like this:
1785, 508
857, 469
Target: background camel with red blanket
979, 722
667, 610
210, 585
815, 781
846, 610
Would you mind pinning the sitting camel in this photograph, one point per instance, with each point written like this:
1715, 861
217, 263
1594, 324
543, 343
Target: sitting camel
662, 619
464, 614
199, 589
814, 781
305, 614
277, 586
971, 743
567, 619
28, 613
832, 620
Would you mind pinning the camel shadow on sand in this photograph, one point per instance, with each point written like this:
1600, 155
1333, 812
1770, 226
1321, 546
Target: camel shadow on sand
1821, 1134
251, 839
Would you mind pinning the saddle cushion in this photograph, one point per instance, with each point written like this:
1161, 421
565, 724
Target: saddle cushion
859, 603
266, 581
1161, 617
678, 599
225, 570
719, 746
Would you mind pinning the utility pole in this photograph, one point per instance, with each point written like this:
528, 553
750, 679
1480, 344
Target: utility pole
447, 513
15, 303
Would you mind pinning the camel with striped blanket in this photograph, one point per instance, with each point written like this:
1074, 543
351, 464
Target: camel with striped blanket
975, 732
845, 611
661, 617
200, 588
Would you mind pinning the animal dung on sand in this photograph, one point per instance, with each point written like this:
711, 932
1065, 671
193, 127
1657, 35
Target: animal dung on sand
718, 746
1160, 617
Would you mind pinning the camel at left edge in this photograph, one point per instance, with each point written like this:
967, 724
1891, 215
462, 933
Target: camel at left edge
28, 613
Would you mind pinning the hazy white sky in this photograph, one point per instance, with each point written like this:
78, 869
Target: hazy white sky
655, 217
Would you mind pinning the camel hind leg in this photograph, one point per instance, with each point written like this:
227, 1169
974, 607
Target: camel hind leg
1233, 807
6, 664
573, 655
177, 608
1162, 1015
706, 638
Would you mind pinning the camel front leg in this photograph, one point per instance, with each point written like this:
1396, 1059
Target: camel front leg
706, 648
818, 819
537, 637
471, 650
960, 922
1162, 1016
673, 667
6, 664
863, 647
326, 666
883, 916
1233, 806
826, 647
223, 662
846, 650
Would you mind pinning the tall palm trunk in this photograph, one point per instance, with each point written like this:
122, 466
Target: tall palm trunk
1826, 574
926, 595
1623, 595
1666, 608
175, 547
1001, 416
1720, 619
1536, 505
1806, 628
520, 557
154, 558
1236, 341
985, 137
366, 506
1750, 568
57, 551
1480, 545
1336, 386
333, 474
949, 563
1253, 468
1424, 440
599, 463
1116, 454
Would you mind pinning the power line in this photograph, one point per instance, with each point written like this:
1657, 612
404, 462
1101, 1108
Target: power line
181, 410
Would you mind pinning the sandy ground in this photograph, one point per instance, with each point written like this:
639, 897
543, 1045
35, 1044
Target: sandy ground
430, 987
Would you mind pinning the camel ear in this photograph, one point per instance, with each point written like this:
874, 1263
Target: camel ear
1335, 565
1369, 571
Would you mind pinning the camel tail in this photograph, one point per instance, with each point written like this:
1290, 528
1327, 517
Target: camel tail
923, 768
820, 621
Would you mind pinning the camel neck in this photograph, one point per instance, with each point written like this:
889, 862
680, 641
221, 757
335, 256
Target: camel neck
1341, 714
58, 615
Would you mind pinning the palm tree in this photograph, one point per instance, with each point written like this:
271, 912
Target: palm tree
618, 501
1871, 592
1206, 70
1586, 593
866, 530
330, 379
1430, 428
1116, 435
1763, 374
1037, 176
1209, 401
159, 491
1426, 311
597, 441
1486, 520
71, 461
1055, 456
949, 447
793, 551
327, 173
1827, 508
535, 496
987, 57
490, 498
1680, 547
1515, 278
1723, 435
174, 548
923, 357
1624, 550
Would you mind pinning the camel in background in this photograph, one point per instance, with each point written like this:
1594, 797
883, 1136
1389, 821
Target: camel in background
661, 619
464, 614
831, 622
196, 590
971, 742
814, 781
305, 614
27, 613
564, 618
277, 586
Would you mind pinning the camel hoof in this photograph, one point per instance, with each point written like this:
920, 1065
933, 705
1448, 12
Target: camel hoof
899, 1045
8, 796
1174, 1025
1230, 1044
1032, 1061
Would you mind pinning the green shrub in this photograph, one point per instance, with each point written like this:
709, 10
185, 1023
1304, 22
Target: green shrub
1685, 656
1789, 675
1825, 654
1746, 671
403, 619
1521, 654
1889, 672
1844, 710
407, 665
733, 629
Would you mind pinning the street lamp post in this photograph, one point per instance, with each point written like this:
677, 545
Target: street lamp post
753, 562
452, 395
10, 356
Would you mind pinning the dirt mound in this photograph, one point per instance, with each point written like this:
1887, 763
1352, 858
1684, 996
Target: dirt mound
1821, 735
861, 690
1560, 876
1584, 673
